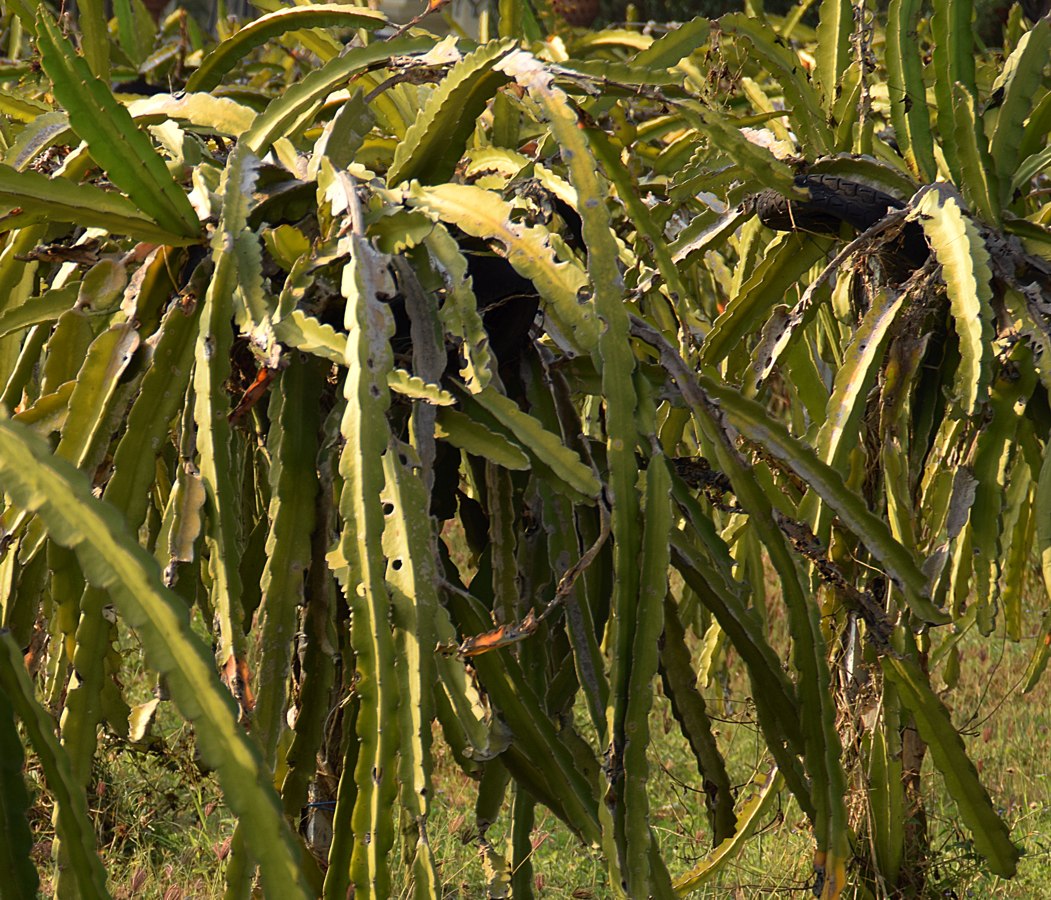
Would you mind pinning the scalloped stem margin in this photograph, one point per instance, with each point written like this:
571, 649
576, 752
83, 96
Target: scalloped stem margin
111, 560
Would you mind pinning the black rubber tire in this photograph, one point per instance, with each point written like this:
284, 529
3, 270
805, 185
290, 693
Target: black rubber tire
834, 201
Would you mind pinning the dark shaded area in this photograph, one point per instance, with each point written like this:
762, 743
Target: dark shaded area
990, 15
682, 10
507, 302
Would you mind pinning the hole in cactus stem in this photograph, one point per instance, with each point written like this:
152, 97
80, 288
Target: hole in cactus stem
395, 564
388, 508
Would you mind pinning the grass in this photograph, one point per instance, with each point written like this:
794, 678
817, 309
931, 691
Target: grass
1007, 735
164, 830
